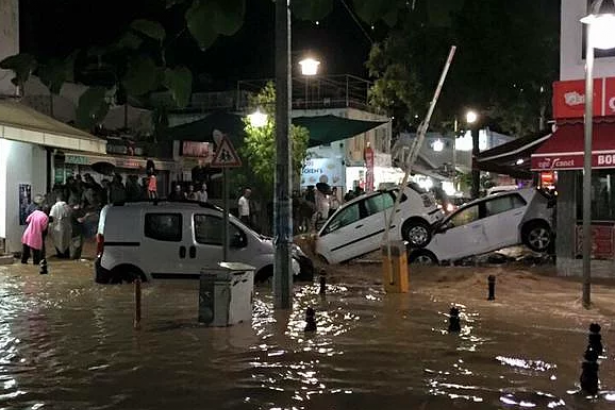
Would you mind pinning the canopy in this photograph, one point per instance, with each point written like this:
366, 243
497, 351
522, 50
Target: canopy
19, 122
512, 158
564, 150
323, 129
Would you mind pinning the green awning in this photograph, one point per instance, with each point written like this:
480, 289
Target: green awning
323, 129
330, 128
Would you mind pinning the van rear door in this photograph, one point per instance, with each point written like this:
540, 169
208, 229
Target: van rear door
164, 250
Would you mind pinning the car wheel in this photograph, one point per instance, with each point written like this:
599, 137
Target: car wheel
126, 274
423, 257
537, 236
417, 233
264, 276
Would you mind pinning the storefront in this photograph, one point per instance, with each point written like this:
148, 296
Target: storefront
27, 140
560, 159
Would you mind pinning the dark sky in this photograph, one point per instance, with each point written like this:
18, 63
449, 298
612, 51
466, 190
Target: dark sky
57, 27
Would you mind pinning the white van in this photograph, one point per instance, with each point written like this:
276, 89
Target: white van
178, 240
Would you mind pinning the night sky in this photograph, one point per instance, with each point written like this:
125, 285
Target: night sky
57, 27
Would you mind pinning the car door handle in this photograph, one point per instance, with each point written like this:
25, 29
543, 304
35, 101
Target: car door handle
193, 252
358, 226
182, 252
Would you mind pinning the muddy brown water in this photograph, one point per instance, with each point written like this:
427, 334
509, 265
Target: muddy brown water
67, 343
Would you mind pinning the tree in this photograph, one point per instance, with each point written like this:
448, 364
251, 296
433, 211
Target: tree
259, 145
506, 61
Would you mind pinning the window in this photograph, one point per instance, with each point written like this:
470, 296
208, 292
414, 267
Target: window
465, 216
348, 216
208, 230
503, 204
379, 203
164, 227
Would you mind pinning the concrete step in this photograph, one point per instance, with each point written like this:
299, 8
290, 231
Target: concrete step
6, 259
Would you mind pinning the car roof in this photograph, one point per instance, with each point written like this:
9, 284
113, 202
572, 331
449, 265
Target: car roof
157, 204
524, 192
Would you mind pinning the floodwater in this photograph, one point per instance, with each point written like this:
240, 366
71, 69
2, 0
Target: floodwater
67, 343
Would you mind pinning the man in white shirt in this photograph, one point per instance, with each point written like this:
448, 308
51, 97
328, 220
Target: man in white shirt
244, 206
202, 194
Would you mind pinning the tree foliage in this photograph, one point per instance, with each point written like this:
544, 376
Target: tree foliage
260, 146
505, 63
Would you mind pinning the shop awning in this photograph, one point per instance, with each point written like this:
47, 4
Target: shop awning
512, 158
564, 150
19, 122
323, 129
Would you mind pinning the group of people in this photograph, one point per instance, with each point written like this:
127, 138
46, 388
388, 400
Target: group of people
64, 222
179, 194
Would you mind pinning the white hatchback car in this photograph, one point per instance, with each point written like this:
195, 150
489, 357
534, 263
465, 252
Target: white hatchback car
357, 228
491, 223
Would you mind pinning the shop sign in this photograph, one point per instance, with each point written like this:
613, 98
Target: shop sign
196, 149
572, 161
77, 160
602, 241
569, 98
325, 170
129, 163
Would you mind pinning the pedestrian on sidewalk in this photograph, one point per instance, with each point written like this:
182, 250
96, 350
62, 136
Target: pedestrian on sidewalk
60, 226
202, 194
244, 207
33, 240
78, 216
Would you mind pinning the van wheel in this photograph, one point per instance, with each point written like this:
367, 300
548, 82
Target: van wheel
537, 236
423, 257
264, 276
126, 274
417, 233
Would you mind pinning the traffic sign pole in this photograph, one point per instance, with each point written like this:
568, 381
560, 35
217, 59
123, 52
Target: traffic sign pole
225, 230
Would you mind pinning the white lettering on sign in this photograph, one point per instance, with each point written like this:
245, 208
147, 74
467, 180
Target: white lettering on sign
555, 163
606, 159
612, 104
574, 98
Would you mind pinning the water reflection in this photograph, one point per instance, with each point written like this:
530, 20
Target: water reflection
67, 343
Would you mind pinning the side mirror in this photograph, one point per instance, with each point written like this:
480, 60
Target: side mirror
237, 241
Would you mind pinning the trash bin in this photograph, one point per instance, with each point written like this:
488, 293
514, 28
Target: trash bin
226, 293
395, 268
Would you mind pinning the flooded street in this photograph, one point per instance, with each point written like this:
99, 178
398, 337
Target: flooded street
67, 343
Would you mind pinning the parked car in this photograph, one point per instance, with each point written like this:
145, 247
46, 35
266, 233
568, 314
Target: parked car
501, 188
491, 223
357, 228
178, 240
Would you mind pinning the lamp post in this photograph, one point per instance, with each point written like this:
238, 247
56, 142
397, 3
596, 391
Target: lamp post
309, 68
471, 120
600, 29
258, 118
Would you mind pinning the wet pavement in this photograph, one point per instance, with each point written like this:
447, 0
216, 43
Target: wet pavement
67, 343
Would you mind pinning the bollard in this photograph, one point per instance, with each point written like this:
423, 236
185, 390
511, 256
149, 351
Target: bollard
137, 319
491, 280
323, 282
595, 339
310, 320
454, 324
589, 372
43, 266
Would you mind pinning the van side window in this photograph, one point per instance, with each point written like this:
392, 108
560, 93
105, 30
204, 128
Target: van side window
164, 227
208, 230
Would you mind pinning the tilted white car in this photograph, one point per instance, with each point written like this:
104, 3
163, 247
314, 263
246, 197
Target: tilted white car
489, 224
357, 228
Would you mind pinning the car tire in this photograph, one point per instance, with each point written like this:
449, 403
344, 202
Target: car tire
423, 257
537, 236
264, 276
416, 233
126, 274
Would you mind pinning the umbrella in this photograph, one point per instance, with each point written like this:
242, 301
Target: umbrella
324, 188
102, 167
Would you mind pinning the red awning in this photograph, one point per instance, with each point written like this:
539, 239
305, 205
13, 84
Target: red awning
564, 150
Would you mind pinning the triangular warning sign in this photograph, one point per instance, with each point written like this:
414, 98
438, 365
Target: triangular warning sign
226, 156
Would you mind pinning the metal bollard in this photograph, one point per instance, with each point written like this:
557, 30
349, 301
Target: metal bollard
589, 372
454, 323
310, 320
323, 283
43, 266
595, 339
137, 318
491, 280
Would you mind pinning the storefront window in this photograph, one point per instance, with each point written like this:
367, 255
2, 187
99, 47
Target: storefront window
602, 194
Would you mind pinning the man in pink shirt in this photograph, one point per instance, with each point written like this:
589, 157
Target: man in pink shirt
32, 239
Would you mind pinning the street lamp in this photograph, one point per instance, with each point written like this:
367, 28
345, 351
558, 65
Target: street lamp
258, 118
437, 145
309, 68
600, 29
472, 119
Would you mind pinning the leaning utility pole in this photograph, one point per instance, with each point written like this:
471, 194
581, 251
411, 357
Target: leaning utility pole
283, 232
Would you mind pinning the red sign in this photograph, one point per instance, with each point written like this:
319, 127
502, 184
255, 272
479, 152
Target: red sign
547, 179
572, 160
609, 96
369, 164
569, 99
602, 241
196, 149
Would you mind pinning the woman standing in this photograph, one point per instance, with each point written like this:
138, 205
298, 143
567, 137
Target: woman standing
334, 202
33, 238
60, 227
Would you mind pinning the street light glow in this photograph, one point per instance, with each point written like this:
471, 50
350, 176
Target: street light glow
258, 119
603, 30
438, 145
309, 66
471, 117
